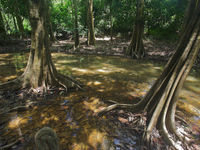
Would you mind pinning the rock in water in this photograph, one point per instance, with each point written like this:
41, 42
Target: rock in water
46, 139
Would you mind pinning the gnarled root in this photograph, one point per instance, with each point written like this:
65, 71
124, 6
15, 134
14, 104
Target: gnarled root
23, 82
116, 105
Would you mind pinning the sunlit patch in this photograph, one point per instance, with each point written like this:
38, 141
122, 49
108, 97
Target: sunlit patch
47, 119
103, 39
101, 90
191, 78
102, 70
81, 70
16, 122
66, 61
189, 108
80, 146
133, 94
158, 68
96, 138
97, 83
9, 77
93, 104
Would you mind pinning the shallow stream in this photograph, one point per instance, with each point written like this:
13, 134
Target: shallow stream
106, 78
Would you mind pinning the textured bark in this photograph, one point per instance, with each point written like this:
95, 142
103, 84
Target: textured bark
2, 27
90, 23
136, 48
76, 31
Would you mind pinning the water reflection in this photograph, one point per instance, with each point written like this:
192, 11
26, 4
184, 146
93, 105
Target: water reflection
107, 78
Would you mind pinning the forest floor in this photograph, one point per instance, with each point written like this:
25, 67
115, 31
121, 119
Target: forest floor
128, 127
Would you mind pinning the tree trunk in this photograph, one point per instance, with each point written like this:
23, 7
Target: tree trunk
15, 25
136, 48
76, 31
51, 34
20, 24
160, 101
2, 27
40, 71
90, 23
111, 22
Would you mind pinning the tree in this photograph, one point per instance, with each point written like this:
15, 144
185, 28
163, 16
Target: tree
90, 23
111, 21
136, 48
2, 27
76, 32
40, 70
18, 16
51, 34
160, 101
20, 24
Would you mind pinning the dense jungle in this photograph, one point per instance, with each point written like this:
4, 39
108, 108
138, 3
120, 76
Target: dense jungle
99, 74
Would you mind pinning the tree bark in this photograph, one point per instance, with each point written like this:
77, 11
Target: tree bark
136, 48
2, 27
76, 31
90, 23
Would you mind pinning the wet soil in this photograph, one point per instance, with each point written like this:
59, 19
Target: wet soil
72, 116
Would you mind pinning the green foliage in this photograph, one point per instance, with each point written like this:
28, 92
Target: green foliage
164, 18
61, 16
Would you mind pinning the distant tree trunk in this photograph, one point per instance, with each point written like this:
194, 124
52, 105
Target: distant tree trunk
2, 27
20, 24
111, 22
136, 47
51, 34
14, 21
40, 70
90, 23
76, 31
160, 101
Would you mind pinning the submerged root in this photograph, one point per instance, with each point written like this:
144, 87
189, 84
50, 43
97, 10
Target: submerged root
58, 81
131, 107
10, 145
12, 85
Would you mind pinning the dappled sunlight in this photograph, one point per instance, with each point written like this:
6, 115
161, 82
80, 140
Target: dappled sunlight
103, 38
93, 104
82, 70
106, 78
16, 121
95, 138
48, 119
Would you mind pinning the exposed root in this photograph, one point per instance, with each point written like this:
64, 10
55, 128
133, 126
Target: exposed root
18, 108
59, 81
9, 145
66, 80
131, 107
12, 85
